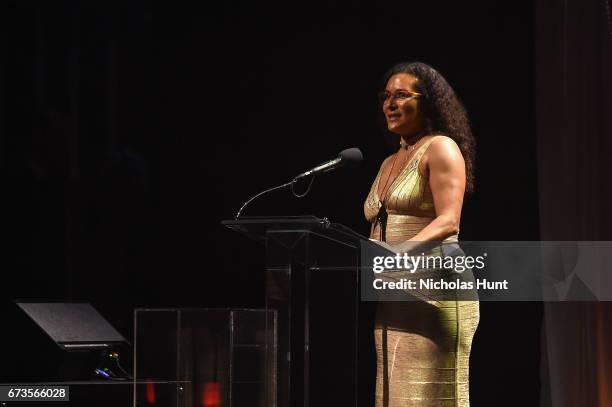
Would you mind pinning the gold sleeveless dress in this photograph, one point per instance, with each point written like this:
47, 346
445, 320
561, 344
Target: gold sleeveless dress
422, 347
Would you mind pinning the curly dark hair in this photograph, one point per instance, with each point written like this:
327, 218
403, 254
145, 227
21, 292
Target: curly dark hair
443, 111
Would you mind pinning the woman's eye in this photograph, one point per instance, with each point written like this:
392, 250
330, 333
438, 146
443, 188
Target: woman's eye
403, 95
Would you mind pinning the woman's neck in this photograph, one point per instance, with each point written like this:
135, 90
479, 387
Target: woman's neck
411, 139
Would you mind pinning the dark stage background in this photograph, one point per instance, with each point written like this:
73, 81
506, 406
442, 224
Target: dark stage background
130, 131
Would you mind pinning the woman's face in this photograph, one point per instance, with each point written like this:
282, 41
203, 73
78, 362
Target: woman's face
401, 105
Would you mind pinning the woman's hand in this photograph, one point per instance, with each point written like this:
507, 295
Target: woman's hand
410, 247
395, 248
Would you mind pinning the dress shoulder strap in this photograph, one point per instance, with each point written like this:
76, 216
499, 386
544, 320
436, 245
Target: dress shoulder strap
416, 159
425, 146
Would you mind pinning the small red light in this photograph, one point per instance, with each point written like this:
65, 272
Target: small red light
211, 396
151, 397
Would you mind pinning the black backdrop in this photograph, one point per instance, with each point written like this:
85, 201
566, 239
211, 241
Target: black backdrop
130, 131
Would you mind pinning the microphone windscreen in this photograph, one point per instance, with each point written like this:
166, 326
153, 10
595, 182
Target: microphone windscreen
351, 156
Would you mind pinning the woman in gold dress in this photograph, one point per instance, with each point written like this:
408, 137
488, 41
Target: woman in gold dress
422, 347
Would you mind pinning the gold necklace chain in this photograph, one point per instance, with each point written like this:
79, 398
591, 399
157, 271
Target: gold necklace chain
409, 149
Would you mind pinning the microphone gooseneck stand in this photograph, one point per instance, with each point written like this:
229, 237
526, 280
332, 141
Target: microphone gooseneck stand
346, 157
285, 185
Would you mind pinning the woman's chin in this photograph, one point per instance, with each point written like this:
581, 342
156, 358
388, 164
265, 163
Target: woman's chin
393, 128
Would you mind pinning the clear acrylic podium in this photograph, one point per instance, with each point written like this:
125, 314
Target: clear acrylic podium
204, 357
312, 284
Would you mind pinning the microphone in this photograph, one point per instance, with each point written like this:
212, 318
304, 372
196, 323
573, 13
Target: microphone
348, 157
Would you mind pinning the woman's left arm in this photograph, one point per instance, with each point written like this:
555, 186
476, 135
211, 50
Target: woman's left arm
446, 169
